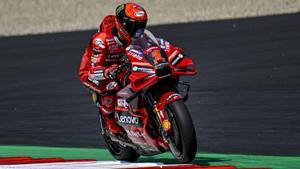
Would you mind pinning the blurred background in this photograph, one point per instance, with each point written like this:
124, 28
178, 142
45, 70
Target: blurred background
20, 17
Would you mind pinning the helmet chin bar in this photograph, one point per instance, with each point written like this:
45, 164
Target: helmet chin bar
139, 33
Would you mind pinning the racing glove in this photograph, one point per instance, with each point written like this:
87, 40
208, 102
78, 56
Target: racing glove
111, 72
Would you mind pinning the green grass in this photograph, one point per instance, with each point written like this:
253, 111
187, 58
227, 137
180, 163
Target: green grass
238, 160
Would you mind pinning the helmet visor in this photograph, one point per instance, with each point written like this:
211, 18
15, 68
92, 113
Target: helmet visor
132, 26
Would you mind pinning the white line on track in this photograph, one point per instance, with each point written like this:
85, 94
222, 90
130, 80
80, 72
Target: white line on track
83, 165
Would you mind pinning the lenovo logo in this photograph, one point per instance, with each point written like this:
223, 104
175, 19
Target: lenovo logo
124, 119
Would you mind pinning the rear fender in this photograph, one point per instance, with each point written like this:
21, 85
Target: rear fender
165, 99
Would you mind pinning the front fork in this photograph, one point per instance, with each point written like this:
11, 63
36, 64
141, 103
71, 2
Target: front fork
159, 97
164, 117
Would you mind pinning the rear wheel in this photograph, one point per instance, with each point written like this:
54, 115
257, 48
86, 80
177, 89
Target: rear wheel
121, 152
117, 150
183, 143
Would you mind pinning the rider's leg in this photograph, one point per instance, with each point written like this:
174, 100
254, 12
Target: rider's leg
107, 108
105, 102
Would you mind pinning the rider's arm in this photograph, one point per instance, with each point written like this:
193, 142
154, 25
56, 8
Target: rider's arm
91, 71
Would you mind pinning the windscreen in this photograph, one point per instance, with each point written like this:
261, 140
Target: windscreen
148, 45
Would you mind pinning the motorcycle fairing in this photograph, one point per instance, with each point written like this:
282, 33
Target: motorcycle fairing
181, 65
132, 115
143, 74
141, 80
134, 118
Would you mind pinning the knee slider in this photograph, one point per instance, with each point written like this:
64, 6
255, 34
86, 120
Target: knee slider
108, 101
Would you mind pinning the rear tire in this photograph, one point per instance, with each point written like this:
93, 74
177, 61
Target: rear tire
184, 144
120, 152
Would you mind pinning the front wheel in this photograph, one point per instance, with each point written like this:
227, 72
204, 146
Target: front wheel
183, 143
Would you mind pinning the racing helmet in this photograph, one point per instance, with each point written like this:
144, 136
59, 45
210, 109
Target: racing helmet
132, 17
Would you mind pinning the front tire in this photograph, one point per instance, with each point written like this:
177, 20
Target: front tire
183, 143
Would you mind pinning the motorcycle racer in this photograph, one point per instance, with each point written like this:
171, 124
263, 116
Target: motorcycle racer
102, 57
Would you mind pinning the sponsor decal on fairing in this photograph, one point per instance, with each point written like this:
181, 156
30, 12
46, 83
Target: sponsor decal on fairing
135, 55
136, 51
174, 95
142, 69
122, 103
128, 119
167, 44
137, 134
161, 43
177, 59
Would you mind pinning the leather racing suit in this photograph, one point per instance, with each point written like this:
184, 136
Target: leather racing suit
102, 56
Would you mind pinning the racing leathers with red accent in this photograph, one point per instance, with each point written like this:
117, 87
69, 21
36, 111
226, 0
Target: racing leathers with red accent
101, 57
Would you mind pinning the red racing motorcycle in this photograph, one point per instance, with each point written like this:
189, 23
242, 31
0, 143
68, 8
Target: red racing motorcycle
150, 107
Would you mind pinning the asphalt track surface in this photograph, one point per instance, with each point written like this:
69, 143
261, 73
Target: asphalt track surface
245, 99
